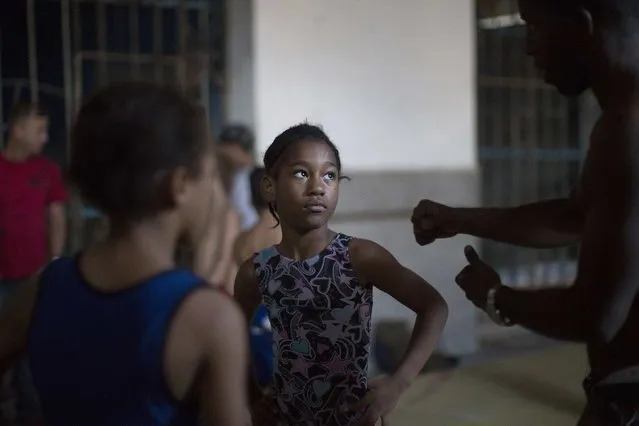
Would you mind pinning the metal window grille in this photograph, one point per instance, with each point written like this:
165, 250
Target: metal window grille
176, 41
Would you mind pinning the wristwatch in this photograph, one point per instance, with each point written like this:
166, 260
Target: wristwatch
493, 311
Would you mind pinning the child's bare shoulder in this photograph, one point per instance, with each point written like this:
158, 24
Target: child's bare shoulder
361, 248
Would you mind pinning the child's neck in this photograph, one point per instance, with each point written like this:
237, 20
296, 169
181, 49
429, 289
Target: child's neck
267, 218
306, 245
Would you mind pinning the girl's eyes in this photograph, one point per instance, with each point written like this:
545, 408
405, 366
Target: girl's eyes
330, 176
303, 174
300, 174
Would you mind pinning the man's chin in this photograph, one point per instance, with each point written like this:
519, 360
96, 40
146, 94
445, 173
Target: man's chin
567, 87
571, 91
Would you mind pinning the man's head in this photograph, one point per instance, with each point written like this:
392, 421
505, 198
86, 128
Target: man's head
576, 42
237, 142
28, 128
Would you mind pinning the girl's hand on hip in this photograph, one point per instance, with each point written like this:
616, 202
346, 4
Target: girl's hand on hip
383, 394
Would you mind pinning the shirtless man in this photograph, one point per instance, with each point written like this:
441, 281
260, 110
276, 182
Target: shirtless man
578, 44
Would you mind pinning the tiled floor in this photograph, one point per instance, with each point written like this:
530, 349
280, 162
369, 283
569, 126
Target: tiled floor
538, 388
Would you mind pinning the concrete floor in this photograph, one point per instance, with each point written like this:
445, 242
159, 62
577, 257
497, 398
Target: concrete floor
538, 387
516, 380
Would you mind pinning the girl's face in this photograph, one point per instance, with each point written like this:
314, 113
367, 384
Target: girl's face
306, 187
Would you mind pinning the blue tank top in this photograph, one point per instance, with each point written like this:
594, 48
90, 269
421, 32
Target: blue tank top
262, 346
96, 358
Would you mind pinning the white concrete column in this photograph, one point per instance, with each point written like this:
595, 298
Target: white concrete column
239, 61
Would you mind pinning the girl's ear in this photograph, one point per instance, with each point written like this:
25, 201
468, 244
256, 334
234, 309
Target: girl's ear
268, 189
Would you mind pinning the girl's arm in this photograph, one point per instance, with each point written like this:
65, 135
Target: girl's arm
375, 265
248, 297
15, 318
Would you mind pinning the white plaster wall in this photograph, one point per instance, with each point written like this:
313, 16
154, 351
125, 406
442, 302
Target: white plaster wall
392, 81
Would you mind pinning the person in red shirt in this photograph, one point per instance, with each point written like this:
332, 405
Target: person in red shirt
32, 220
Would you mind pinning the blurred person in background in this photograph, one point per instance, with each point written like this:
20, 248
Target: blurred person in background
237, 141
32, 223
224, 232
119, 334
265, 233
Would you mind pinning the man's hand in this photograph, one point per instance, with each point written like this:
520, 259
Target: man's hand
432, 221
477, 278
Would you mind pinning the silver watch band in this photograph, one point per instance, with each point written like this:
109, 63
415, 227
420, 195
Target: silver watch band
493, 311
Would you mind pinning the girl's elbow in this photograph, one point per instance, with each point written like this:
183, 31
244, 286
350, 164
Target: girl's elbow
441, 307
435, 307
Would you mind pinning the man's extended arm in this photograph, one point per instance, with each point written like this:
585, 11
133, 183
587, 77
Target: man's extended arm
545, 224
572, 313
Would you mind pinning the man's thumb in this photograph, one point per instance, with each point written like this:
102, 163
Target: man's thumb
471, 255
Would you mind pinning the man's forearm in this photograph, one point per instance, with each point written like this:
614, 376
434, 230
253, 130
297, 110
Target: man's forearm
545, 224
556, 313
